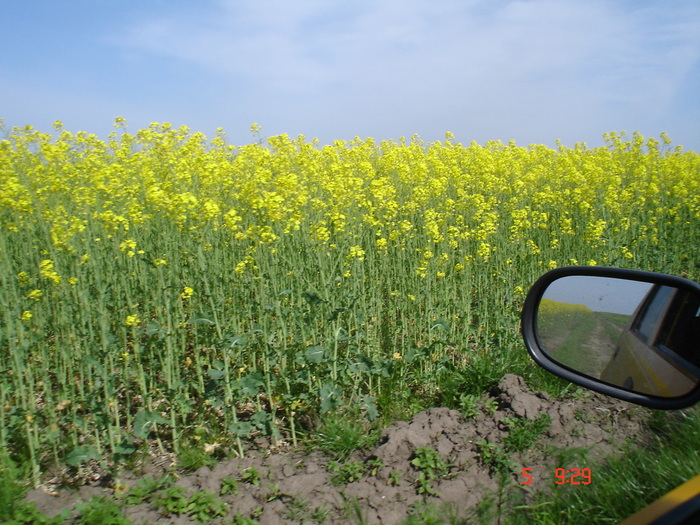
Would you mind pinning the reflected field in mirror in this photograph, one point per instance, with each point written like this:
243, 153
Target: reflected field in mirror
636, 335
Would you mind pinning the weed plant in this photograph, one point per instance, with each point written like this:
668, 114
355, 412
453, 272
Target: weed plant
340, 436
523, 432
431, 467
101, 511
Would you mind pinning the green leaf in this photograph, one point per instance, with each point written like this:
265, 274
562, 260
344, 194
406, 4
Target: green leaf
241, 429
370, 406
330, 398
442, 325
145, 420
235, 340
125, 448
384, 368
152, 329
315, 354
201, 318
91, 361
250, 385
312, 298
216, 374
416, 353
263, 421
81, 454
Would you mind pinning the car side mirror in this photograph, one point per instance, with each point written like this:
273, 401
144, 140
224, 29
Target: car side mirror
629, 334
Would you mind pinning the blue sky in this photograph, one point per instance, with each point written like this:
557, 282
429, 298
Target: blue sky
600, 294
532, 71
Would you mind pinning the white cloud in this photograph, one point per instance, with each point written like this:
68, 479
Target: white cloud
497, 64
531, 70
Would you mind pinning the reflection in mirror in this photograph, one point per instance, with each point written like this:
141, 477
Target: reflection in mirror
640, 336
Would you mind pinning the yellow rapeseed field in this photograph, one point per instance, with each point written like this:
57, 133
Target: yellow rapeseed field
160, 287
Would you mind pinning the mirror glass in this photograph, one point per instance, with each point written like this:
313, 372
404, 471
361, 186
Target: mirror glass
641, 336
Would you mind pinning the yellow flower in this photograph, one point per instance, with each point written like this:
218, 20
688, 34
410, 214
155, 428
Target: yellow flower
356, 252
47, 272
26, 315
397, 356
132, 320
160, 262
35, 294
532, 246
120, 488
484, 251
187, 292
128, 246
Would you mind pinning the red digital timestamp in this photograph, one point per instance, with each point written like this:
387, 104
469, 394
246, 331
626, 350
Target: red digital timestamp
572, 476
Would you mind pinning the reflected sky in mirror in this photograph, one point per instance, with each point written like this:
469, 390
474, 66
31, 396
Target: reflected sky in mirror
600, 294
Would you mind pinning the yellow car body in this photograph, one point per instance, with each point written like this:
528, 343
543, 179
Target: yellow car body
657, 351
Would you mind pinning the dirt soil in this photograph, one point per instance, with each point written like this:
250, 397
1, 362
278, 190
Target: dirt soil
296, 486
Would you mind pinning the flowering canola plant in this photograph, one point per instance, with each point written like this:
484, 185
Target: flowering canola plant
165, 278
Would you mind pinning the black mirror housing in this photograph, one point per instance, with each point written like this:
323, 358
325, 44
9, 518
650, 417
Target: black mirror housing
607, 379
